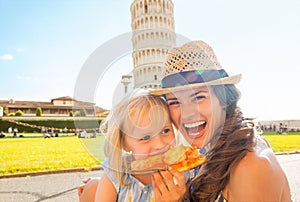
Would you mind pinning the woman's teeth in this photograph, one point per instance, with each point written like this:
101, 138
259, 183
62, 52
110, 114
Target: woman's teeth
192, 125
194, 129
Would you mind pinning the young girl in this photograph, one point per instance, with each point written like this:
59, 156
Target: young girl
136, 128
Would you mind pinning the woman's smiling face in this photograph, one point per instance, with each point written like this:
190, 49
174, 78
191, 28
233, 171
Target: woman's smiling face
197, 114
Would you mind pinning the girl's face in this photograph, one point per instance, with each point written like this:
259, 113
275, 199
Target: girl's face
197, 114
150, 136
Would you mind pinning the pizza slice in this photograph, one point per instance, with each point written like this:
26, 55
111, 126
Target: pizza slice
150, 163
189, 160
181, 158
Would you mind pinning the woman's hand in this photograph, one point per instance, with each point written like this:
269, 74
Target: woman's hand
87, 191
169, 185
81, 187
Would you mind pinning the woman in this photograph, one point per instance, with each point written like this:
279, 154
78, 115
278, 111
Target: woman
202, 101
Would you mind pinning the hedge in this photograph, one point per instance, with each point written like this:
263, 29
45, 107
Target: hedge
70, 123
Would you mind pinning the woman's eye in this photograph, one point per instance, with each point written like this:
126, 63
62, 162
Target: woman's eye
200, 97
166, 130
145, 138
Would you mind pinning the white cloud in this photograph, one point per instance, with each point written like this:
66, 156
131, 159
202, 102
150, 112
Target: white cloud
6, 57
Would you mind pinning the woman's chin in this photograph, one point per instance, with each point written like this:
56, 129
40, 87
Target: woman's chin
197, 143
196, 140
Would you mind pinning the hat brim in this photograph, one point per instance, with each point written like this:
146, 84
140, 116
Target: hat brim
222, 81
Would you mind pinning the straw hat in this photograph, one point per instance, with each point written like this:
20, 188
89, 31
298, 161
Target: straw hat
193, 65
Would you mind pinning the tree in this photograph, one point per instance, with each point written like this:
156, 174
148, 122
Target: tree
71, 113
38, 111
77, 113
19, 113
82, 112
5, 111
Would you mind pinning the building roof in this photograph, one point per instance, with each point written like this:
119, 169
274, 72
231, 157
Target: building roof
24, 103
34, 104
64, 98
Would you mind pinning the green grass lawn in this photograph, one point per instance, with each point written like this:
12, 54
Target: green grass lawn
35, 153
283, 143
30, 154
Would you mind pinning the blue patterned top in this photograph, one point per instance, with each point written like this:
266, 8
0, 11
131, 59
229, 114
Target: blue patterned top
136, 191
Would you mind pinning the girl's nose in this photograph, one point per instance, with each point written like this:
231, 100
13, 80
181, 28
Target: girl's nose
160, 142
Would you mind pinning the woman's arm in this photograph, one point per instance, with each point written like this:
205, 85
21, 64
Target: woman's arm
106, 190
258, 177
169, 185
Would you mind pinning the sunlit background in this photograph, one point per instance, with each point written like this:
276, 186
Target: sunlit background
43, 45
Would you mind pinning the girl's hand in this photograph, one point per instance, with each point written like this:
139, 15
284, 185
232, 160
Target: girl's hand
169, 185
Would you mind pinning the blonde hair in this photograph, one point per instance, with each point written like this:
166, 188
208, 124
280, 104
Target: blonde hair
129, 113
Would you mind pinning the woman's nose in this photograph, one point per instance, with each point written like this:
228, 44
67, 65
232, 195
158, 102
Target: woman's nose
189, 110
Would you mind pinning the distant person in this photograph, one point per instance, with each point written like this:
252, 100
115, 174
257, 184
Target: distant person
281, 128
43, 130
2, 134
46, 135
83, 134
65, 130
15, 132
51, 131
77, 132
94, 135
285, 130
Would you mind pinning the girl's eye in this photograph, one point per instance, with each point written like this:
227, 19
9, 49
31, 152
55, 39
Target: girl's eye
166, 130
145, 138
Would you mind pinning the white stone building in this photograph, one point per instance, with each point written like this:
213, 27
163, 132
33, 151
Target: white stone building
152, 23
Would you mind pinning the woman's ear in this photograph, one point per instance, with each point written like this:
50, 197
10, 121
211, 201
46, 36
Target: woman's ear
125, 147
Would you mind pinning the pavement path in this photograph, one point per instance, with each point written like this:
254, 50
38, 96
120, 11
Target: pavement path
291, 165
63, 187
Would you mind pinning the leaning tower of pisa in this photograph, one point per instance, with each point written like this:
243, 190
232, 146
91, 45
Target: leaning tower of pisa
152, 23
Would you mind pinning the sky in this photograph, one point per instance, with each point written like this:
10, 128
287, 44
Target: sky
45, 46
